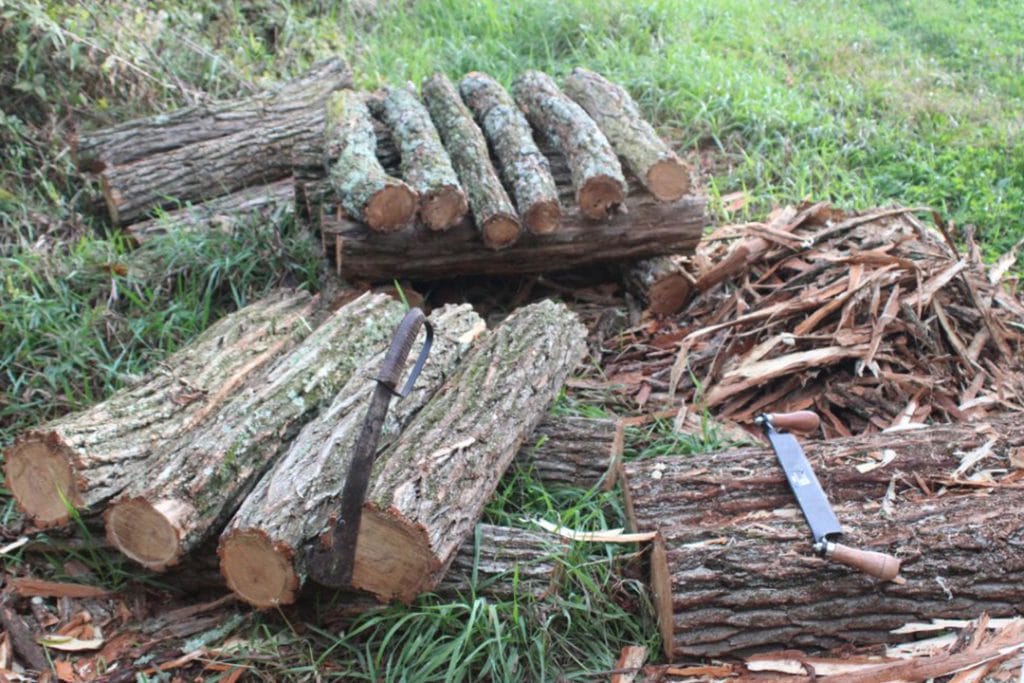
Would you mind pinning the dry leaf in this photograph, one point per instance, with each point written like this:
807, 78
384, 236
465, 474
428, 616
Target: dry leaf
68, 644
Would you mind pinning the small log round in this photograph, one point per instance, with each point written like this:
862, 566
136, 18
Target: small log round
661, 283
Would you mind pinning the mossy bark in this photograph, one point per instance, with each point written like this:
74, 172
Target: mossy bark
262, 548
367, 192
596, 173
524, 168
660, 282
89, 457
133, 140
493, 212
619, 118
193, 489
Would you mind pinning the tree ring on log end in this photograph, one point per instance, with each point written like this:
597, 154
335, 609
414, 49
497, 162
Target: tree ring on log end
38, 472
256, 571
390, 209
668, 180
600, 196
443, 208
393, 558
141, 531
668, 295
500, 231
543, 217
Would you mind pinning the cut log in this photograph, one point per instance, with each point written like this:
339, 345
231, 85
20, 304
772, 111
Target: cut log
661, 283
271, 202
570, 451
596, 173
493, 213
425, 163
367, 192
262, 550
733, 571
83, 460
429, 488
133, 140
193, 488
524, 168
618, 117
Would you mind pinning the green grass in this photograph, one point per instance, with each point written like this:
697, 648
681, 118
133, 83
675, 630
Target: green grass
861, 103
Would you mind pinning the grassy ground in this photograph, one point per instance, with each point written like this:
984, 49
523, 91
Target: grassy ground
861, 103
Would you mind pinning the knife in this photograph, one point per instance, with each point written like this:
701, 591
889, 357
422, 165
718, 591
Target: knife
825, 528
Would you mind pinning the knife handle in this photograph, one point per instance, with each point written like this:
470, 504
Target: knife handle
803, 421
879, 565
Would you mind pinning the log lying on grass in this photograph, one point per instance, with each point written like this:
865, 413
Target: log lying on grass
570, 451
262, 549
133, 140
89, 457
524, 168
660, 282
618, 117
425, 163
596, 173
493, 213
733, 571
367, 192
192, 489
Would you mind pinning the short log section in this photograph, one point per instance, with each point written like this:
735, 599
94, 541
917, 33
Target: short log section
660, 283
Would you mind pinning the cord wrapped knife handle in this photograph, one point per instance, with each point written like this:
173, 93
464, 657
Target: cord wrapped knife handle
394, 360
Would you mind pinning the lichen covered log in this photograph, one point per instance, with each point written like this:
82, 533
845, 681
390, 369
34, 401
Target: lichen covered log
660, 282
619, 118
195, 487
596, 173
367, 192
89, 457
493, 212
523, 167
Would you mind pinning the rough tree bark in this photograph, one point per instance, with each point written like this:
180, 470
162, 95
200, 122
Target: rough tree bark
733, 571
570, 451
523, 167
133, 140
367, 192
660, 283
262, 549
618, 117
424, 161
596, 173
91, 456
492, 209
193, 488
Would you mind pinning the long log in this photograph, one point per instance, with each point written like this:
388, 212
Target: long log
83, 460
425, 163
133, 140
430, 487
619, 118
192, 489
262, 549
660, 282
732, 568
493, 212
523, 167
596, 173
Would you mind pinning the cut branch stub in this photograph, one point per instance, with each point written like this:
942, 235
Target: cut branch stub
646, 154
493, 212
596, 173
366, 191
524, 168
84, 459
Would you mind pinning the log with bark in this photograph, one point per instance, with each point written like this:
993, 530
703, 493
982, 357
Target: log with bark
619, 118
570, 451
133, 140
493, 212
425, 163
733, 571
193, 488
262, 550
596, 173
82, 460
384, 203
523, 167
660, 282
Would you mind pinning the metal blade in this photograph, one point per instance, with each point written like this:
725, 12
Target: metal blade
805, 486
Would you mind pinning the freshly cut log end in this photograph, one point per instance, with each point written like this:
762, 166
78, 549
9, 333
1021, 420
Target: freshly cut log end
543, 217
38, 472
668, 180
661, 283
443, 208
391, 208
257, 570
500, 231
600, 196
668, 295
148, 533
397, 563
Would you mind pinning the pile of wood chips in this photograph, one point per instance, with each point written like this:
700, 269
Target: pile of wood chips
874, 320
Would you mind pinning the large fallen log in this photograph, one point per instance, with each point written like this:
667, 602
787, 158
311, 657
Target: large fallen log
262, 550
733, 571
192, 489
596, 173
82, 460
133, 140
